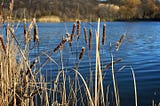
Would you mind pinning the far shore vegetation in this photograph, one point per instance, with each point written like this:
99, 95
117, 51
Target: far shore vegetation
86, 10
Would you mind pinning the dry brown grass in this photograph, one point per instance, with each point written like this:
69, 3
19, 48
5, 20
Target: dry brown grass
49, 19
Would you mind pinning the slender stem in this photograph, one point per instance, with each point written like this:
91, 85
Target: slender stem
135, 87
114, 83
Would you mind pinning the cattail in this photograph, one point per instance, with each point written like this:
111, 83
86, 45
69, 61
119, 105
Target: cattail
118, 43
60, 46
24, 27
78, 29
104, 34
29, 29
35, 36
33, 63
55, 49
82, 53
72, 35
114, 62
85, 35
2, 43
7, 28
90, 39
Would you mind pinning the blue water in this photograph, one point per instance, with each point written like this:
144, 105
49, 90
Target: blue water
140, 49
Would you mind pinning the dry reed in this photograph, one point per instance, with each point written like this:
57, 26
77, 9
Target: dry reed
115, 84
135, 87
2, 43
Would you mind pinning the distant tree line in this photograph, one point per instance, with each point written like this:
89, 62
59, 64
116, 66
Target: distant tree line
85, 9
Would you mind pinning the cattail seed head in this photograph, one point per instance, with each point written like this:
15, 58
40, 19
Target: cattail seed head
35, 36
118, 43
85, 35
82, 53
28, 38
104, 34
60, 45
24, 26
99, 43
72, 35
78, 28
90, 39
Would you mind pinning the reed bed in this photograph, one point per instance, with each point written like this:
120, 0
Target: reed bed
22, 84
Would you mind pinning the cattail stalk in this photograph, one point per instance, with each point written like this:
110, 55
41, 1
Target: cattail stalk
118, 43
135, 87
115, 84
90, 39
104, 34
72, 35
85, 35
82, 53
78, 28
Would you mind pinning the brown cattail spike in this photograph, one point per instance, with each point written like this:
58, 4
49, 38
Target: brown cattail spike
24, 27
85, 35
104, 34
82, 53
35, 36
60, 46
78, 28
114, 62
90, 39
99, 43
2, 43
72, 35
118, 43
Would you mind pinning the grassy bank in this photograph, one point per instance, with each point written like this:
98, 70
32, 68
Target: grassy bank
49, 19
